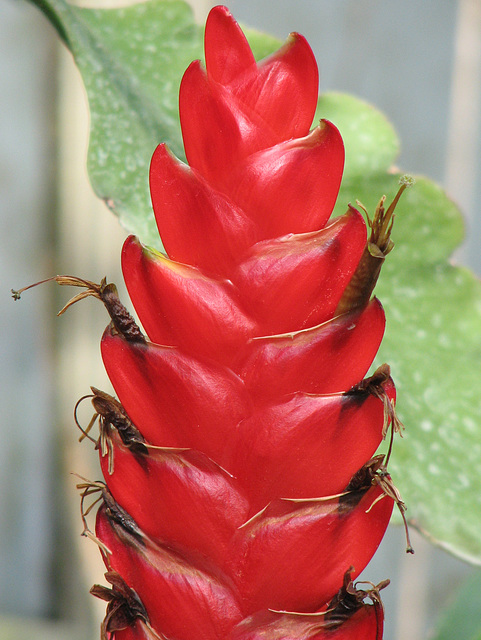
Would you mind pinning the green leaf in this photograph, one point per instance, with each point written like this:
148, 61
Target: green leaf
433, 344
462, 618
369, 138
132, 61
432, 340
437, 465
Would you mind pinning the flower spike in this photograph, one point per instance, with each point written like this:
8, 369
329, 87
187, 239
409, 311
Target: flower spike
242, 491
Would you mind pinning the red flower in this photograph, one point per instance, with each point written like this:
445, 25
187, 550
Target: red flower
240, 483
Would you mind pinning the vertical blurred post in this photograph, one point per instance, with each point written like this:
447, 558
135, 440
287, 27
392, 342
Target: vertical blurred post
464, 148
27, 452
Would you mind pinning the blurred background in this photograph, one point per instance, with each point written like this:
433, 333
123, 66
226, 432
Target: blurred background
419, 62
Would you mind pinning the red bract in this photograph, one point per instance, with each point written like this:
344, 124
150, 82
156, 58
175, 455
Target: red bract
241, 490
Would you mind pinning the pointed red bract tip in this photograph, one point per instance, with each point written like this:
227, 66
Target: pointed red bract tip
285, 89
237, 107
293, 186
227, 52
219, 232
296, 281
180, 306
218, 131
290, 448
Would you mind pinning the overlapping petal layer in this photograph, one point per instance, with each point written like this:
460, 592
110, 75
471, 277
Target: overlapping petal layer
298, 280
174, 399
219, 232
240, 494
290, 448
236, 107
282, 89
293, 555
183, 600
366, 622
328, 358
180, 481
178, 305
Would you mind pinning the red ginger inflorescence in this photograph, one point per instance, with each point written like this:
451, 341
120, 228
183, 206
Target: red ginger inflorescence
241, 494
